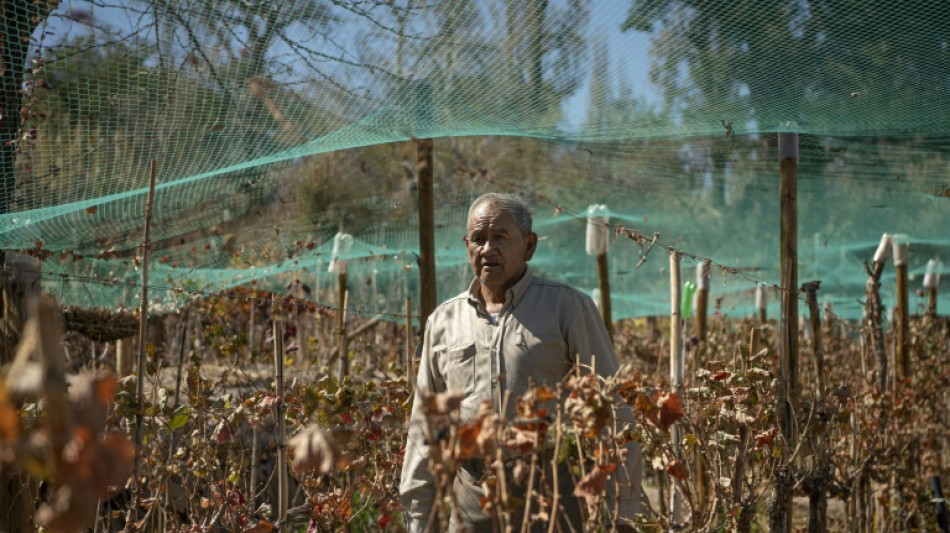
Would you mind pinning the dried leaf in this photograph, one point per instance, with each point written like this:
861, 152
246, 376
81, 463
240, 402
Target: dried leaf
766, 437
543, 394
222, 432
593, 485
9, 418
262, 527
677, 470
671, 409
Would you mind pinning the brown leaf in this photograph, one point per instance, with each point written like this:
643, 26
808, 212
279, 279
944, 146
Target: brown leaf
312, 449
593, 485
92, 210
721, 375
677, 470
262, 527
9, 418
520, 441
766, 437
648, 407
671, 409
468, 439
544, 394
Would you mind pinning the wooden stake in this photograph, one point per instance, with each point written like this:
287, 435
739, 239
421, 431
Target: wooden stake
931, 284
874, 308
344, 355
427, 285
143, 321
676, 372
597, 242
702, 301
603, 282
341, 322
902, 313
124, 356
810, 289
816, 489
788, 390
282, 483
702, 298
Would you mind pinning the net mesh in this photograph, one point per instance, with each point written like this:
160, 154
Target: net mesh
275, 125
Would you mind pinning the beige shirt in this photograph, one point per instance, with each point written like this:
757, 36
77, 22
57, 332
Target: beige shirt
542, 330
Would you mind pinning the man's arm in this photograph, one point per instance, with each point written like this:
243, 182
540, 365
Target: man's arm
589, 340
416, 486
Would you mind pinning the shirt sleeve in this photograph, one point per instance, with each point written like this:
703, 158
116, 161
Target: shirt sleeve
590, 343
417, 486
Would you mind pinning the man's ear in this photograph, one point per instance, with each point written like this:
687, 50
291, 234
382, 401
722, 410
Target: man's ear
532, 246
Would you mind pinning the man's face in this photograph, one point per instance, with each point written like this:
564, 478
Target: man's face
497, 250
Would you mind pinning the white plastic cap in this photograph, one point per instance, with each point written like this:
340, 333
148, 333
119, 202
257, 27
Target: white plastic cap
932, 275
342, 246
702, 276
598, 229
760, 297
900, 248
883, 249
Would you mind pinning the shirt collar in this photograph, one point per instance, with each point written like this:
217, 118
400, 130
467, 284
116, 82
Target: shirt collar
512, 296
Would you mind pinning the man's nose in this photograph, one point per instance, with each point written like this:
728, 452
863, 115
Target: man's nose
490, 246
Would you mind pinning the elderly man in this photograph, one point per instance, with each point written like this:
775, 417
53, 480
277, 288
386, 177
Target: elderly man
510, 328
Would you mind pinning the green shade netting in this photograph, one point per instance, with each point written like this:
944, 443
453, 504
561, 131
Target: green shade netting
273, 125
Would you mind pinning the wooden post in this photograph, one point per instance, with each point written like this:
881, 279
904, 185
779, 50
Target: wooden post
603, 284
810, 289
282, 483
873, 310
781, 519
341, 329
702, 298
342, 243
676, 372
124, 356
702, 302
788, 190
143, 321
816, 484
596, 244
427, 282
761, 304
931, 284
902, 313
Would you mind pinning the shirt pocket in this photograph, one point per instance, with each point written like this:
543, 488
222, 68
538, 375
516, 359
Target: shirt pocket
459, 368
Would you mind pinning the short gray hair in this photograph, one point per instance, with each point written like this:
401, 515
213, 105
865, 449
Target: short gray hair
512, 204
